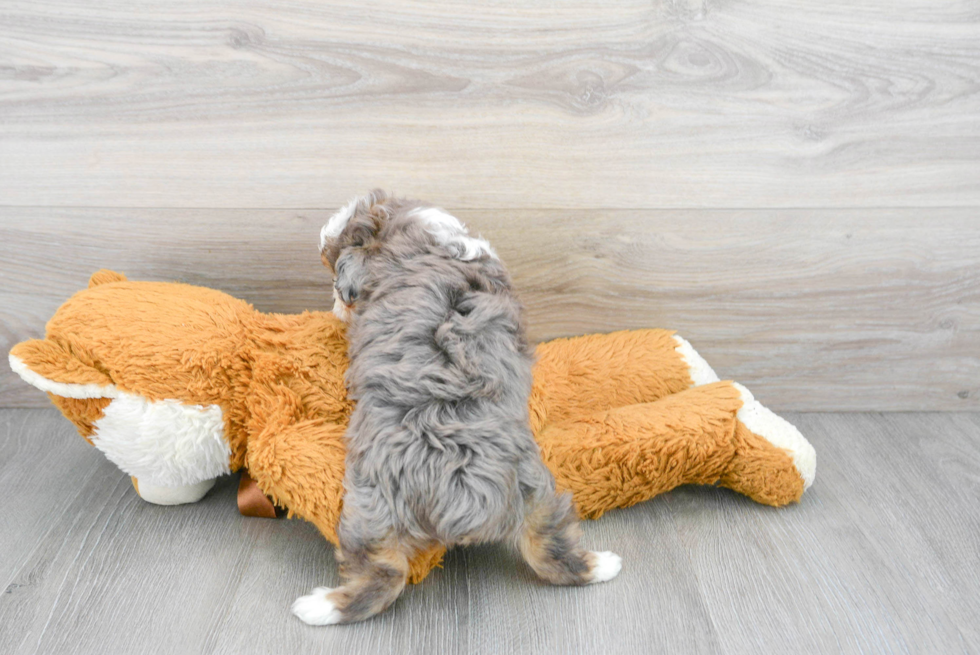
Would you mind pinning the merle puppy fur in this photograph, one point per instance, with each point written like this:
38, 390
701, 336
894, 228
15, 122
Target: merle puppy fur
439, 448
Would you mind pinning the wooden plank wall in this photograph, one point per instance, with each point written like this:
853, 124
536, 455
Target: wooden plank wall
793, 185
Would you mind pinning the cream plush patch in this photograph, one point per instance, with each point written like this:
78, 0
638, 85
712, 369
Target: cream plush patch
699, 370
190, 493
163, 443
780, 433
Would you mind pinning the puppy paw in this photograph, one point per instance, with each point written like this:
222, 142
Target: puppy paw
606, 566
317, 609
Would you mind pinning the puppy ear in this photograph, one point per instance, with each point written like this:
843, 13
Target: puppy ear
332, 229
349, 275
353, 224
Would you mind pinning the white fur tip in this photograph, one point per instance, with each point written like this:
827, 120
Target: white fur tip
336, 223
699, 370
449, 231
316, 609
780, 433
607, 566
63, 389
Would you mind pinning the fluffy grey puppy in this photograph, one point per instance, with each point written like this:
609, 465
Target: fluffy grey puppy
439, 448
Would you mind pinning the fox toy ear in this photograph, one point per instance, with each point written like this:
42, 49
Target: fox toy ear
105, 276
49, 367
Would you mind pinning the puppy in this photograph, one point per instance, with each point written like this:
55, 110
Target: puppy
439, 447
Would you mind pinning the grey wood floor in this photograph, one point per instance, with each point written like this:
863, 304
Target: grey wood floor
882, 555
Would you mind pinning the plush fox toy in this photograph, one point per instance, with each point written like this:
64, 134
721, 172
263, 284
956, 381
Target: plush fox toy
178, 385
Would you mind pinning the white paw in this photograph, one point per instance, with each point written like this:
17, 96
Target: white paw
607, 566
316, 609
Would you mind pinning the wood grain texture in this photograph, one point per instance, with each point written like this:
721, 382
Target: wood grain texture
579, 104
879, 561
25, 441
812, 309
880, 556
103, 535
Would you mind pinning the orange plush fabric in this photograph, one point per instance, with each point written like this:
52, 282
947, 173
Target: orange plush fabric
618, 417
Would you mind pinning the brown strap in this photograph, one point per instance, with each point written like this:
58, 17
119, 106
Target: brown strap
251, 500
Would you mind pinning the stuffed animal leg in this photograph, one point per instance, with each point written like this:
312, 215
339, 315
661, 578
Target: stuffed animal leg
577, 375
622, 456
622, 417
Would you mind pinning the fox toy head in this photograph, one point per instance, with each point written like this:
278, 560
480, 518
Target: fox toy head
157, 376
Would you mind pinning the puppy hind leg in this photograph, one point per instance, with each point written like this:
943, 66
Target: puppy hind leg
549, 543
375, 577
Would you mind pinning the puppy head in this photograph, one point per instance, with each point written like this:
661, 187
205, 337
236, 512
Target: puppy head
375, 223
346, 242
356, 224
